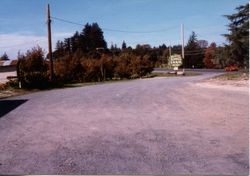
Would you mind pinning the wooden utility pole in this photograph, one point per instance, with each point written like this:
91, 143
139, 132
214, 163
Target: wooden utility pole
182, 34
170, 50
49, 44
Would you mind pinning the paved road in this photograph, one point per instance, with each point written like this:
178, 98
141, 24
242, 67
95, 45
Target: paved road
148, 126
190, 69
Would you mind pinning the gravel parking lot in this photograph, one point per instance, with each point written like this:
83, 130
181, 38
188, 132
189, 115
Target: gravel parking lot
147, 126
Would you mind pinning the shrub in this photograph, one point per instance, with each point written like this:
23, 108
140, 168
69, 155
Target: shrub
146, 67
92, 70
132, 66
3, 86
107, 66
12, 83
122, 68
69, 69
32, 69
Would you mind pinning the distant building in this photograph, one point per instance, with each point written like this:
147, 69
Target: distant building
8, 65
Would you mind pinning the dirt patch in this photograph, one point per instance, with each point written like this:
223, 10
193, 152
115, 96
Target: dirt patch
11, 92
232, 81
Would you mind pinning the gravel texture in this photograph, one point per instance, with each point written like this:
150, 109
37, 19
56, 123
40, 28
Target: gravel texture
147, 126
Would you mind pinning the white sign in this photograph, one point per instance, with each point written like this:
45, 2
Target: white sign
175, 60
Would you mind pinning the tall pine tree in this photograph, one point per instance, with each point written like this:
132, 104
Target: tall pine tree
238, 36
92, 37
193, 53
124, 45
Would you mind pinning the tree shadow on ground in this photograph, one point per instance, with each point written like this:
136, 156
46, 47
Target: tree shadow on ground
8, 105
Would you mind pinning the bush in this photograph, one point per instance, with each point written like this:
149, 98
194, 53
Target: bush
32, 69
92, 73
36, 80
146, 67
69, 69
122, 69
3, 86
107, 66
133, 66
12, 83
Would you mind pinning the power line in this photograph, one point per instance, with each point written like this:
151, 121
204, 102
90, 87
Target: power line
66, 21
141, 32
193, 52
116, 30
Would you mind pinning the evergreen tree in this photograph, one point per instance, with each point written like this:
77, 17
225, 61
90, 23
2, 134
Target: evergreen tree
238, 36
74, 42
193, 53
66, 45
163, 46
4, 57
112, 47
59, 50
92, 37
176, 49
124, 45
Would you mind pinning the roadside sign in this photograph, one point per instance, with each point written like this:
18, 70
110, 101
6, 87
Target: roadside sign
175, 60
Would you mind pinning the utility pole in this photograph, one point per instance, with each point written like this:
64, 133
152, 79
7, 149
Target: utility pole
170, 50
49, 44
182, 34
169, 60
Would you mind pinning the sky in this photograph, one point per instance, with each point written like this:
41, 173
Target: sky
154, 22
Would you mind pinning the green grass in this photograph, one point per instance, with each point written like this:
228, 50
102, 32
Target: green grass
233, 76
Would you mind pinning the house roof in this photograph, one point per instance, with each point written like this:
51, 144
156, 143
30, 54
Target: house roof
8, 63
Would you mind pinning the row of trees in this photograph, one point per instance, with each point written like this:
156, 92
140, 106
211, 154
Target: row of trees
32, 68
71, 68
83, 42
85, 57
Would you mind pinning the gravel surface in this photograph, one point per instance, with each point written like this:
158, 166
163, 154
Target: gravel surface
147, 126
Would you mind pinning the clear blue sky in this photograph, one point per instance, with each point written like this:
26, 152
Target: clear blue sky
22, 22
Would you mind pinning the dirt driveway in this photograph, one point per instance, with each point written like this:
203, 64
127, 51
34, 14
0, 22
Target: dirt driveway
149, 126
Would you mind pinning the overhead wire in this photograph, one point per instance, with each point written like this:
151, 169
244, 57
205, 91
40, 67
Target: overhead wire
194, 52
116, 30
